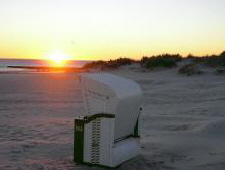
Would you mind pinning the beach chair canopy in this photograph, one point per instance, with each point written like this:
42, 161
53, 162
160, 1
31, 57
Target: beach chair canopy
111, 94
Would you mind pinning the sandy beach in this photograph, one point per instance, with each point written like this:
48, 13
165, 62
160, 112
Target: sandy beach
182, 124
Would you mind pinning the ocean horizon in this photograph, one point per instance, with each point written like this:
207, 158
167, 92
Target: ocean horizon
35, 62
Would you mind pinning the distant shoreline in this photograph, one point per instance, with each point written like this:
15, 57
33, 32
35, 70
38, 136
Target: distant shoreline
49, 69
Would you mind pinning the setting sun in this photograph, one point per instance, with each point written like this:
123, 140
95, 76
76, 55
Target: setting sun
58, 59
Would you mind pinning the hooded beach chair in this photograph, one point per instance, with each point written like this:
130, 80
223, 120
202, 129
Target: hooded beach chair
108, 131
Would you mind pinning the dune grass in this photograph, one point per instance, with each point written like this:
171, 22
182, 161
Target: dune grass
164, 60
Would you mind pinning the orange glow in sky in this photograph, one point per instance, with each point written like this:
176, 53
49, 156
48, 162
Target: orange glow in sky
102, 30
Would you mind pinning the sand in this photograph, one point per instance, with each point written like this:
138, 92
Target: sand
182, 124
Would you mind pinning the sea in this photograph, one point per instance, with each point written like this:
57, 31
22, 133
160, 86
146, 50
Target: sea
34, 62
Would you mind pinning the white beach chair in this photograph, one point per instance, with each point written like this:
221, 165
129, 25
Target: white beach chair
107, 133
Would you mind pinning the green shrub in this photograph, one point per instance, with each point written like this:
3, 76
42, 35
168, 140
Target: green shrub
190, 69
222, 58
160, 62
111, 64
94, 64
120, 61
165, 60
212, 60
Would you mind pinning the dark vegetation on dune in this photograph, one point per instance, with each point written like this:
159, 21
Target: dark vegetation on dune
190, 69
212, 60
111, 64
164, 60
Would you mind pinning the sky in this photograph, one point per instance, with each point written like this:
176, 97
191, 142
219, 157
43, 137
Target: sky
108, 29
